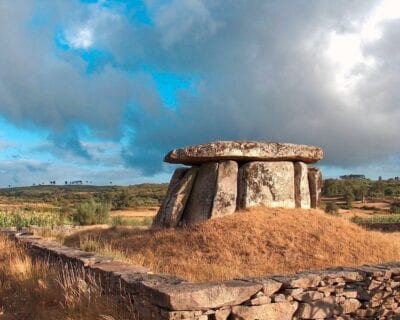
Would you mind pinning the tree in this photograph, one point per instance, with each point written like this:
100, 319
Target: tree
349, 198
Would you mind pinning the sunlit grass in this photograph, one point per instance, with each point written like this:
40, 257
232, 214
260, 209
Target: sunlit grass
37, 290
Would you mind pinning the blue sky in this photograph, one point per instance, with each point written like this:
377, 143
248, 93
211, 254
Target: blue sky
100, 90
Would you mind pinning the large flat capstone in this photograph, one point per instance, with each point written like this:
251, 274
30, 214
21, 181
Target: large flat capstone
244, 151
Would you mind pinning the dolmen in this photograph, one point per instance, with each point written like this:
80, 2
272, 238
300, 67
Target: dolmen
227, 176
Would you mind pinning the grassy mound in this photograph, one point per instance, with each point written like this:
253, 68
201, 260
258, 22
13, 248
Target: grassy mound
251, 243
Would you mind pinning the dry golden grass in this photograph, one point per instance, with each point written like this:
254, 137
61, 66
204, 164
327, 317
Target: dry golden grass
252, 243
137, 212
36, 290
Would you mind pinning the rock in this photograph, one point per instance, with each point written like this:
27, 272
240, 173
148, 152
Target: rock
301, 188
272, 311
199, 296
323, 308
315, 185
173, 205
200, 202
226, 189
351, 306
269, 286
222, 314
308, 296
244, 151
301, 280
266, 183
260, 300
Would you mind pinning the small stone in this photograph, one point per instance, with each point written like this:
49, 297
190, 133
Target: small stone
292, 292
222, 314
323, 308
272, 311
350, 293
281, 298
260, 300
301, 280
308, 296
350, 306
375, 285
269, 286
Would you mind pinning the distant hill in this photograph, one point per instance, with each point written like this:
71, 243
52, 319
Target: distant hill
147, 194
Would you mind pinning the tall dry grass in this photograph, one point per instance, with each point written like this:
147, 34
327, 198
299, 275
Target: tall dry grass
252, 243
36, 290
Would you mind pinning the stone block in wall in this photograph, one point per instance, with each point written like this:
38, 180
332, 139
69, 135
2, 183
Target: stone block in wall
271, 311
222, 314
269, 286
226, 189
350, 306
266, 183
199, 296
301, 187
173, 205
200, 202
301, 280
319, 309
315, 185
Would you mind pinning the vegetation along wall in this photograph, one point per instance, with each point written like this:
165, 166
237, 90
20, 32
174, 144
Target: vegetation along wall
366, 292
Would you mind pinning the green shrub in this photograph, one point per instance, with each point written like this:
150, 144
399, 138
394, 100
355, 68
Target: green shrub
331, 208
92, 212
23, 218
395, 207
377, 219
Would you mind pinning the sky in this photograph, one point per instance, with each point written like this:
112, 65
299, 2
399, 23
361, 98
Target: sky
101, 90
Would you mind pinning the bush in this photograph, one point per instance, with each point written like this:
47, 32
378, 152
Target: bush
92, 212
349, 198
331, 208
395, 207
22, 218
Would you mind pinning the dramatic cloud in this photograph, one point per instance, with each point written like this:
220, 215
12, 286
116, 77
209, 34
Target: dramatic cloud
155, 75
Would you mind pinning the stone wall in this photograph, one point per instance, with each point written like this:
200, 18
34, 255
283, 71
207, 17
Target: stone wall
366, 292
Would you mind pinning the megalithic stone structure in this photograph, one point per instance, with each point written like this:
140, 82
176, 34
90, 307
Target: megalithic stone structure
226, 176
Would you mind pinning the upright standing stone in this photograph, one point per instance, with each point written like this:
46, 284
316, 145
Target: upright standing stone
226, 189
315, 183
266, 183
200, 202
302, 193
178, 192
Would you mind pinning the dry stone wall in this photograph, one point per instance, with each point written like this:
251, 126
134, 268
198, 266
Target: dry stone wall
366, 292
227, 176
